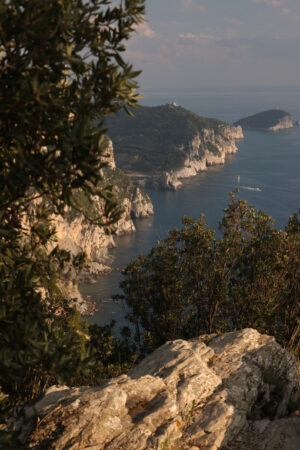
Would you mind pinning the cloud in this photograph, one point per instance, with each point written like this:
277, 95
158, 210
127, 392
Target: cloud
192, 4
227, 35
143, 29
274, 3
281, 5
198, 37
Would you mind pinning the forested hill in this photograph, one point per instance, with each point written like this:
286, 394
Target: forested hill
264, 120
153, 140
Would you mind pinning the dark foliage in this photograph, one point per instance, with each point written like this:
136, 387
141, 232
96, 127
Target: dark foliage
193, 283
263, 120
61, 72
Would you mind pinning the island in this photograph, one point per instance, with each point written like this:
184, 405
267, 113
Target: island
162, 144
271, 120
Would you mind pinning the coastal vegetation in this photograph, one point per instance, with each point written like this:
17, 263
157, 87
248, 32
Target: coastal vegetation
194, 283
154, 139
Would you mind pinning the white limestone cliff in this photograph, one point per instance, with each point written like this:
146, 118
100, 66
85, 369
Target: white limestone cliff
141, 205
77, 234
233, 391
208, 148
283, 124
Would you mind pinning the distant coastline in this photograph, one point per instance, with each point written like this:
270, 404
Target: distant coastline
167, 143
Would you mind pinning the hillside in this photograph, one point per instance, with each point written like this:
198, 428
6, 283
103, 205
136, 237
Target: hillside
168, 140
272, 120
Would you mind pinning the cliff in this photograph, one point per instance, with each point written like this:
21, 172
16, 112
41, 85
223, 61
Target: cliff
75, 233
163, 144
271, 120
234, 391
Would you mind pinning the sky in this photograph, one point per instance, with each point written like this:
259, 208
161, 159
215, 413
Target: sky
217, 43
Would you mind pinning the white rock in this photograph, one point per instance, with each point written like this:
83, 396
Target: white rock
208, 148
283, 124
186, 393
81, 235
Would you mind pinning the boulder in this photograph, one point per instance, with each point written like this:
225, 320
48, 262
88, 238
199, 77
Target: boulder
211, 392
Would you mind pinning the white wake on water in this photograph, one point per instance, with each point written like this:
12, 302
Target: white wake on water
248, 188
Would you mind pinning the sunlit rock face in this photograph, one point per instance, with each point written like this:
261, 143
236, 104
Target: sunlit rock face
75, 233
141, 205
283, 124
232, 391
208, 148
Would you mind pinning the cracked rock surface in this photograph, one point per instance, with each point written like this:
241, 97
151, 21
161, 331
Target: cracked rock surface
212, 392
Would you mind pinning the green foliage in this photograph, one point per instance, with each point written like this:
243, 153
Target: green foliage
112, 355
193, 283
152, 140
61, 72
121, 185
79, 326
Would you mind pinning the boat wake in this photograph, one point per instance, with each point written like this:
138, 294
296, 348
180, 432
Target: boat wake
248, 188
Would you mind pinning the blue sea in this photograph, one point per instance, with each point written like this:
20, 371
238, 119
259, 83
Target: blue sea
267, 165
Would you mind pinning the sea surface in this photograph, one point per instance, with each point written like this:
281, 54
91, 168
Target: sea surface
267, 166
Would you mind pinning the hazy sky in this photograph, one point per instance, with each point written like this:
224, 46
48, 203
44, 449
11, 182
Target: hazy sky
216, 43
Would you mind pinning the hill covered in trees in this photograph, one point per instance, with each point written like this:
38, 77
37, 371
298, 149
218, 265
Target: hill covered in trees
272, 120
160, 138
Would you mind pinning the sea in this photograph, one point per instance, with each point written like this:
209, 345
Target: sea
266, 169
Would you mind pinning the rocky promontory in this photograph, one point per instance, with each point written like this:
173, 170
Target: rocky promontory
271, 120
163, 144
75, 233
239, 390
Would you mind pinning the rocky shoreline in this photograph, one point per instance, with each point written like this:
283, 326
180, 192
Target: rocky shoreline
206, 149
167, 143
206, 146
75, 233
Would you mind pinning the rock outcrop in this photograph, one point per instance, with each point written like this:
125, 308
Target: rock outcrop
208, 148
271, 120
75, 233
234, 391
283, 124
78, 234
